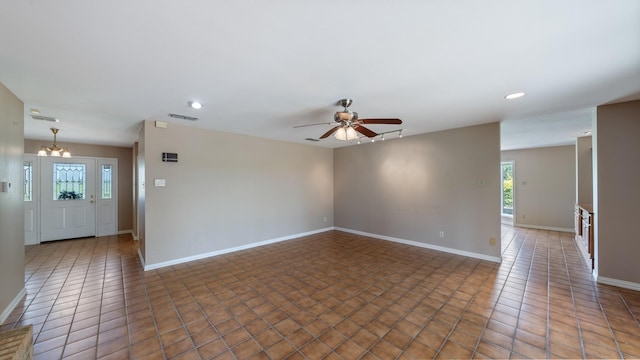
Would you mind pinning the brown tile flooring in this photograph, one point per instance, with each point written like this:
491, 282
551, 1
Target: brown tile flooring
331, 295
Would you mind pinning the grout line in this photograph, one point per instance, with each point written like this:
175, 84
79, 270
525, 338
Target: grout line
66, 342
459, 317
604, 314
524, 291
68, 248
573, 301
633, 315
515, 257
65, 273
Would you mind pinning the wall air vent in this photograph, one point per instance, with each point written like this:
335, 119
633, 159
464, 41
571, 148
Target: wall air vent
311, 139
183, 117
44, 118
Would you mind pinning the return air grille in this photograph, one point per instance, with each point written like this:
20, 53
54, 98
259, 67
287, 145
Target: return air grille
183, 117
44, 118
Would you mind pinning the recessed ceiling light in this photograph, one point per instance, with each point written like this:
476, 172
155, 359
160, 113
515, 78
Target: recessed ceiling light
514, 96
195, 104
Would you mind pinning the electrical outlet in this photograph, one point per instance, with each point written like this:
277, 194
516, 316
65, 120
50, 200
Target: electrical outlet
325, 219
441, 234
492, 241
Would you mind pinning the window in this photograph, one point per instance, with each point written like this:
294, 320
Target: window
507, 188
106, 181
28, 181
69, 181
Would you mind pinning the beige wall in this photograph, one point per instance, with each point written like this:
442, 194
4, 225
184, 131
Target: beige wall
584, 163
544, 186
413, 188
616, 202
229, 190
125, 172
11, 203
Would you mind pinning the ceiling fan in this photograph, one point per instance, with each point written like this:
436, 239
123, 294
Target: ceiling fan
349, 125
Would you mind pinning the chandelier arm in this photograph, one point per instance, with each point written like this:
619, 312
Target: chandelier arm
55, 150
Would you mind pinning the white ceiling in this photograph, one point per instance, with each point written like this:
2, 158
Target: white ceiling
261, 67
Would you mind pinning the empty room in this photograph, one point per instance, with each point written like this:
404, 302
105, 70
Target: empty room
319, 180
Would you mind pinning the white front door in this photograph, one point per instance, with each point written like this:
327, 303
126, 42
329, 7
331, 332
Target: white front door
67, 198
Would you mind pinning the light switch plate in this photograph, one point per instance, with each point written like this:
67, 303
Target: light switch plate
159, 182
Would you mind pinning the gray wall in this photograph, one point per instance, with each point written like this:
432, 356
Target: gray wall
11, 203
229, 190
617, 149
125, 172
544, 186
413, 188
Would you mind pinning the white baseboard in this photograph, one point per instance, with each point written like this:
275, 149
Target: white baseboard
497, 259
551, 228
226, 251
122, 232
6, 312
159, 265
141, 258
619, 283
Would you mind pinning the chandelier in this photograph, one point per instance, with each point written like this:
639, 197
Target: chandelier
55, 150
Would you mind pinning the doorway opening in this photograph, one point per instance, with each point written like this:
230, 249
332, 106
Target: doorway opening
506, 192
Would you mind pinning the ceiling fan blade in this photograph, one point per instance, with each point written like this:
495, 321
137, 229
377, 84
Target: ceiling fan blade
381, 121
324, 123
330, 132
364, 131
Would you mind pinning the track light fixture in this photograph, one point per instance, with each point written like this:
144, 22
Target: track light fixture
373, 139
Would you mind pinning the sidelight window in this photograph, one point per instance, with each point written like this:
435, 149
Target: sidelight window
28, 181
106, 181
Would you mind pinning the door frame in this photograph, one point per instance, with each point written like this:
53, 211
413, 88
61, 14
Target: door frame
99, 208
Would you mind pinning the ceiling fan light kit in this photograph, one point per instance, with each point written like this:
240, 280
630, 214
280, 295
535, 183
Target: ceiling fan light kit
349, 125
346, 133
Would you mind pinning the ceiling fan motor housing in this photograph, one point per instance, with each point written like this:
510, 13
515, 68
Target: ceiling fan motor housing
342, 116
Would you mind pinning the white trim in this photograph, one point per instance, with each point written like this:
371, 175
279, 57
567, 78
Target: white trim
5, 314
497, 259
618, 283
585, 256
123, 232
226, 251
141, 258
551, 228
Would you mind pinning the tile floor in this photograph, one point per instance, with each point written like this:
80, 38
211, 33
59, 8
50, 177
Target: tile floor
328, 296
